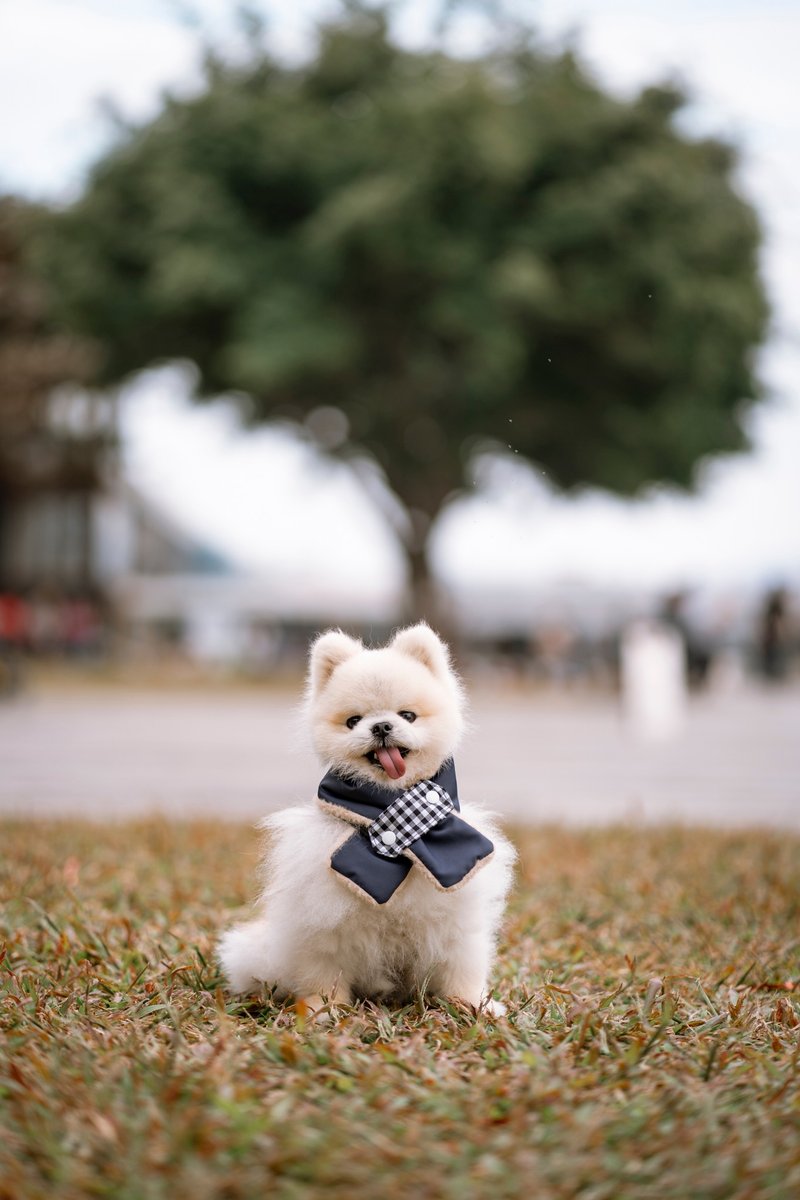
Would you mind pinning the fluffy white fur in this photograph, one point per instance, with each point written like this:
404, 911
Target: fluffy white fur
313, 936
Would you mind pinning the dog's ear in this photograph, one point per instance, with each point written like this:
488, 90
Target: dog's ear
328, 651
420, 642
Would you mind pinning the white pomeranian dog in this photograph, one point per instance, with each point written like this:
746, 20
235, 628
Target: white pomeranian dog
384, 886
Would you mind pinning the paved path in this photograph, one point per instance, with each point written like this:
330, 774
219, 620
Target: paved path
224, 754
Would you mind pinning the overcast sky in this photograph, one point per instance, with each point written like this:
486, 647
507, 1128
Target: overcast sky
58, 58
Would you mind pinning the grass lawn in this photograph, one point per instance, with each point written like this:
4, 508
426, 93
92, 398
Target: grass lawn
651, 1048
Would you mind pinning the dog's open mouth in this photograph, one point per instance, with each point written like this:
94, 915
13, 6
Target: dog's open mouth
390, 758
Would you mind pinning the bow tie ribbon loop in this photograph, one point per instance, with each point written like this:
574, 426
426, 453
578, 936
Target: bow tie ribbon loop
418, 830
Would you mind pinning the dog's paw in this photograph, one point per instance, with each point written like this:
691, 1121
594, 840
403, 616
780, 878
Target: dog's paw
493, 1008
314, 1009
319, 1010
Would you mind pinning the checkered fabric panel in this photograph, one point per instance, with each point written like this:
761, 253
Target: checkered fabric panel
409, 817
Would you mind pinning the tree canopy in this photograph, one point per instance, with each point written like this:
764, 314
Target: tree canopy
448, 252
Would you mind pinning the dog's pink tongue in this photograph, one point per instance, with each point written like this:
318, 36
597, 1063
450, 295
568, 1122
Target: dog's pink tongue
391, 760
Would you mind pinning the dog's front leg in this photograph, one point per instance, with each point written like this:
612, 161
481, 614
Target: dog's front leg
326, 983
464, 977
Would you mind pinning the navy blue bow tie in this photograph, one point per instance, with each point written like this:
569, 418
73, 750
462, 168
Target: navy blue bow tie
398, 830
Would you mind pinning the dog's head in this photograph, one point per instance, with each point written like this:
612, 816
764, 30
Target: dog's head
390, 716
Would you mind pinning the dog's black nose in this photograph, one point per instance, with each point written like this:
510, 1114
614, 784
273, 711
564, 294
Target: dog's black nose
381, 729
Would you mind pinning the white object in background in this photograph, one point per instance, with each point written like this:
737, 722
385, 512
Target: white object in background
214, 636
654, 688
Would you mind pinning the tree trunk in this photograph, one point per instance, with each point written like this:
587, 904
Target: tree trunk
421, 601
425, 600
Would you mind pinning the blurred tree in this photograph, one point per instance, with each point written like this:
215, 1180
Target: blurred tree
450, 253
35, 355
54, 442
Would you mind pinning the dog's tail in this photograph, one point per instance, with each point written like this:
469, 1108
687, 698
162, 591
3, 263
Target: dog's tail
242, 955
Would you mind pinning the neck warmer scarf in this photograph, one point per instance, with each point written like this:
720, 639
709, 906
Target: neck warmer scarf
400, 830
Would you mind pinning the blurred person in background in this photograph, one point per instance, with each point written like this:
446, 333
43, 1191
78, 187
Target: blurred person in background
45, 622
13, 635
81, 627
773, 636
698, 649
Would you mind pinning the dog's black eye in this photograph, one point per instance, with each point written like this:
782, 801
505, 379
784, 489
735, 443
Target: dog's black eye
351, 722
407, 716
